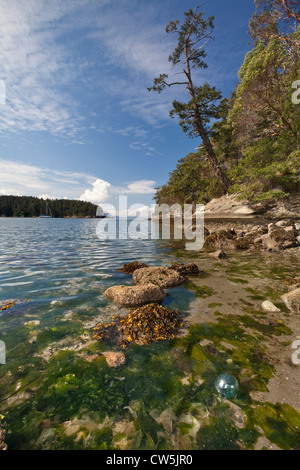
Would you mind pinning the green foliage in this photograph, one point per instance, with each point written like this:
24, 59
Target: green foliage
26, 206
191, 182
273, 18
206, 98
195, 115
192, 32
255, 136
269, 170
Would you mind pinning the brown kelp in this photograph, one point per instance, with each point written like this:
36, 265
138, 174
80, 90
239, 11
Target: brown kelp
144, 325
129, 268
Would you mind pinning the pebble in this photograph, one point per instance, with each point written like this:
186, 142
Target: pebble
269, 306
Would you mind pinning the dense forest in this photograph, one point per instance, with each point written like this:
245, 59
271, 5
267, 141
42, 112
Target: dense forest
26, 206
249, 143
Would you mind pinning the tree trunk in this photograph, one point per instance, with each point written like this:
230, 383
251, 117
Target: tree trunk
202, 132
210, 152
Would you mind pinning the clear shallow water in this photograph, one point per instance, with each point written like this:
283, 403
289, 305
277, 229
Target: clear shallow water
45, 258
63, 261
56, 271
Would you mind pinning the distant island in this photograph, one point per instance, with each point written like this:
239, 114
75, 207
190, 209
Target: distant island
28, 206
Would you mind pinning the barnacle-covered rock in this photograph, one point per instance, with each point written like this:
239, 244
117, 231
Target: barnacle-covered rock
279, 238
134, 296
159, 276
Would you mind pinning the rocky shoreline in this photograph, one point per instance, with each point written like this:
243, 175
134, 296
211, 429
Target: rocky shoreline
242, 235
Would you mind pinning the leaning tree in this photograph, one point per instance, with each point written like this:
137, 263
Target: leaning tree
204, 101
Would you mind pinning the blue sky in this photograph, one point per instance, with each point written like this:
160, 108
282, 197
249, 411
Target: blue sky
78, 121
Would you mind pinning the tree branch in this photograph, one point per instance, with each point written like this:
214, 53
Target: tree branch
289, 11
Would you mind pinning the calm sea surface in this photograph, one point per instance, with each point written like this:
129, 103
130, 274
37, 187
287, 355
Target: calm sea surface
50, 259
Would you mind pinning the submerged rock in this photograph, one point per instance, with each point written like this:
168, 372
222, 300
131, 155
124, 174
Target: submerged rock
159, 276
114, 359
292, 300
134, 296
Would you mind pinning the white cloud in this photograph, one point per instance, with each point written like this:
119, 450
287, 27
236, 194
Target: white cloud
23, 179
125, 48
140, 187
103, 190
98, 194
35, 66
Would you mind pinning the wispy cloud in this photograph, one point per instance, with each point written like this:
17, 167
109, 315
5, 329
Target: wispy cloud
121, 51
140, 187
18, 178
37, 67
22, 179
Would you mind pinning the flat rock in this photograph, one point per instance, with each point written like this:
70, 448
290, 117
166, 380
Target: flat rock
135, 296
292, 300
159, 276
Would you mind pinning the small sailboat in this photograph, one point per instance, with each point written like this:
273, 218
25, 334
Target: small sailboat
48, 214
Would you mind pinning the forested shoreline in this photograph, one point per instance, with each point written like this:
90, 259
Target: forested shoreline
28, 206
249, 143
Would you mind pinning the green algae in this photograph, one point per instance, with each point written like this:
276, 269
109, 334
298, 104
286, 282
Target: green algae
175, 375
199, 291
280, 423
71, 386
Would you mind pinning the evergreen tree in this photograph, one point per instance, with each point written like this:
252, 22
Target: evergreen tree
189, 53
